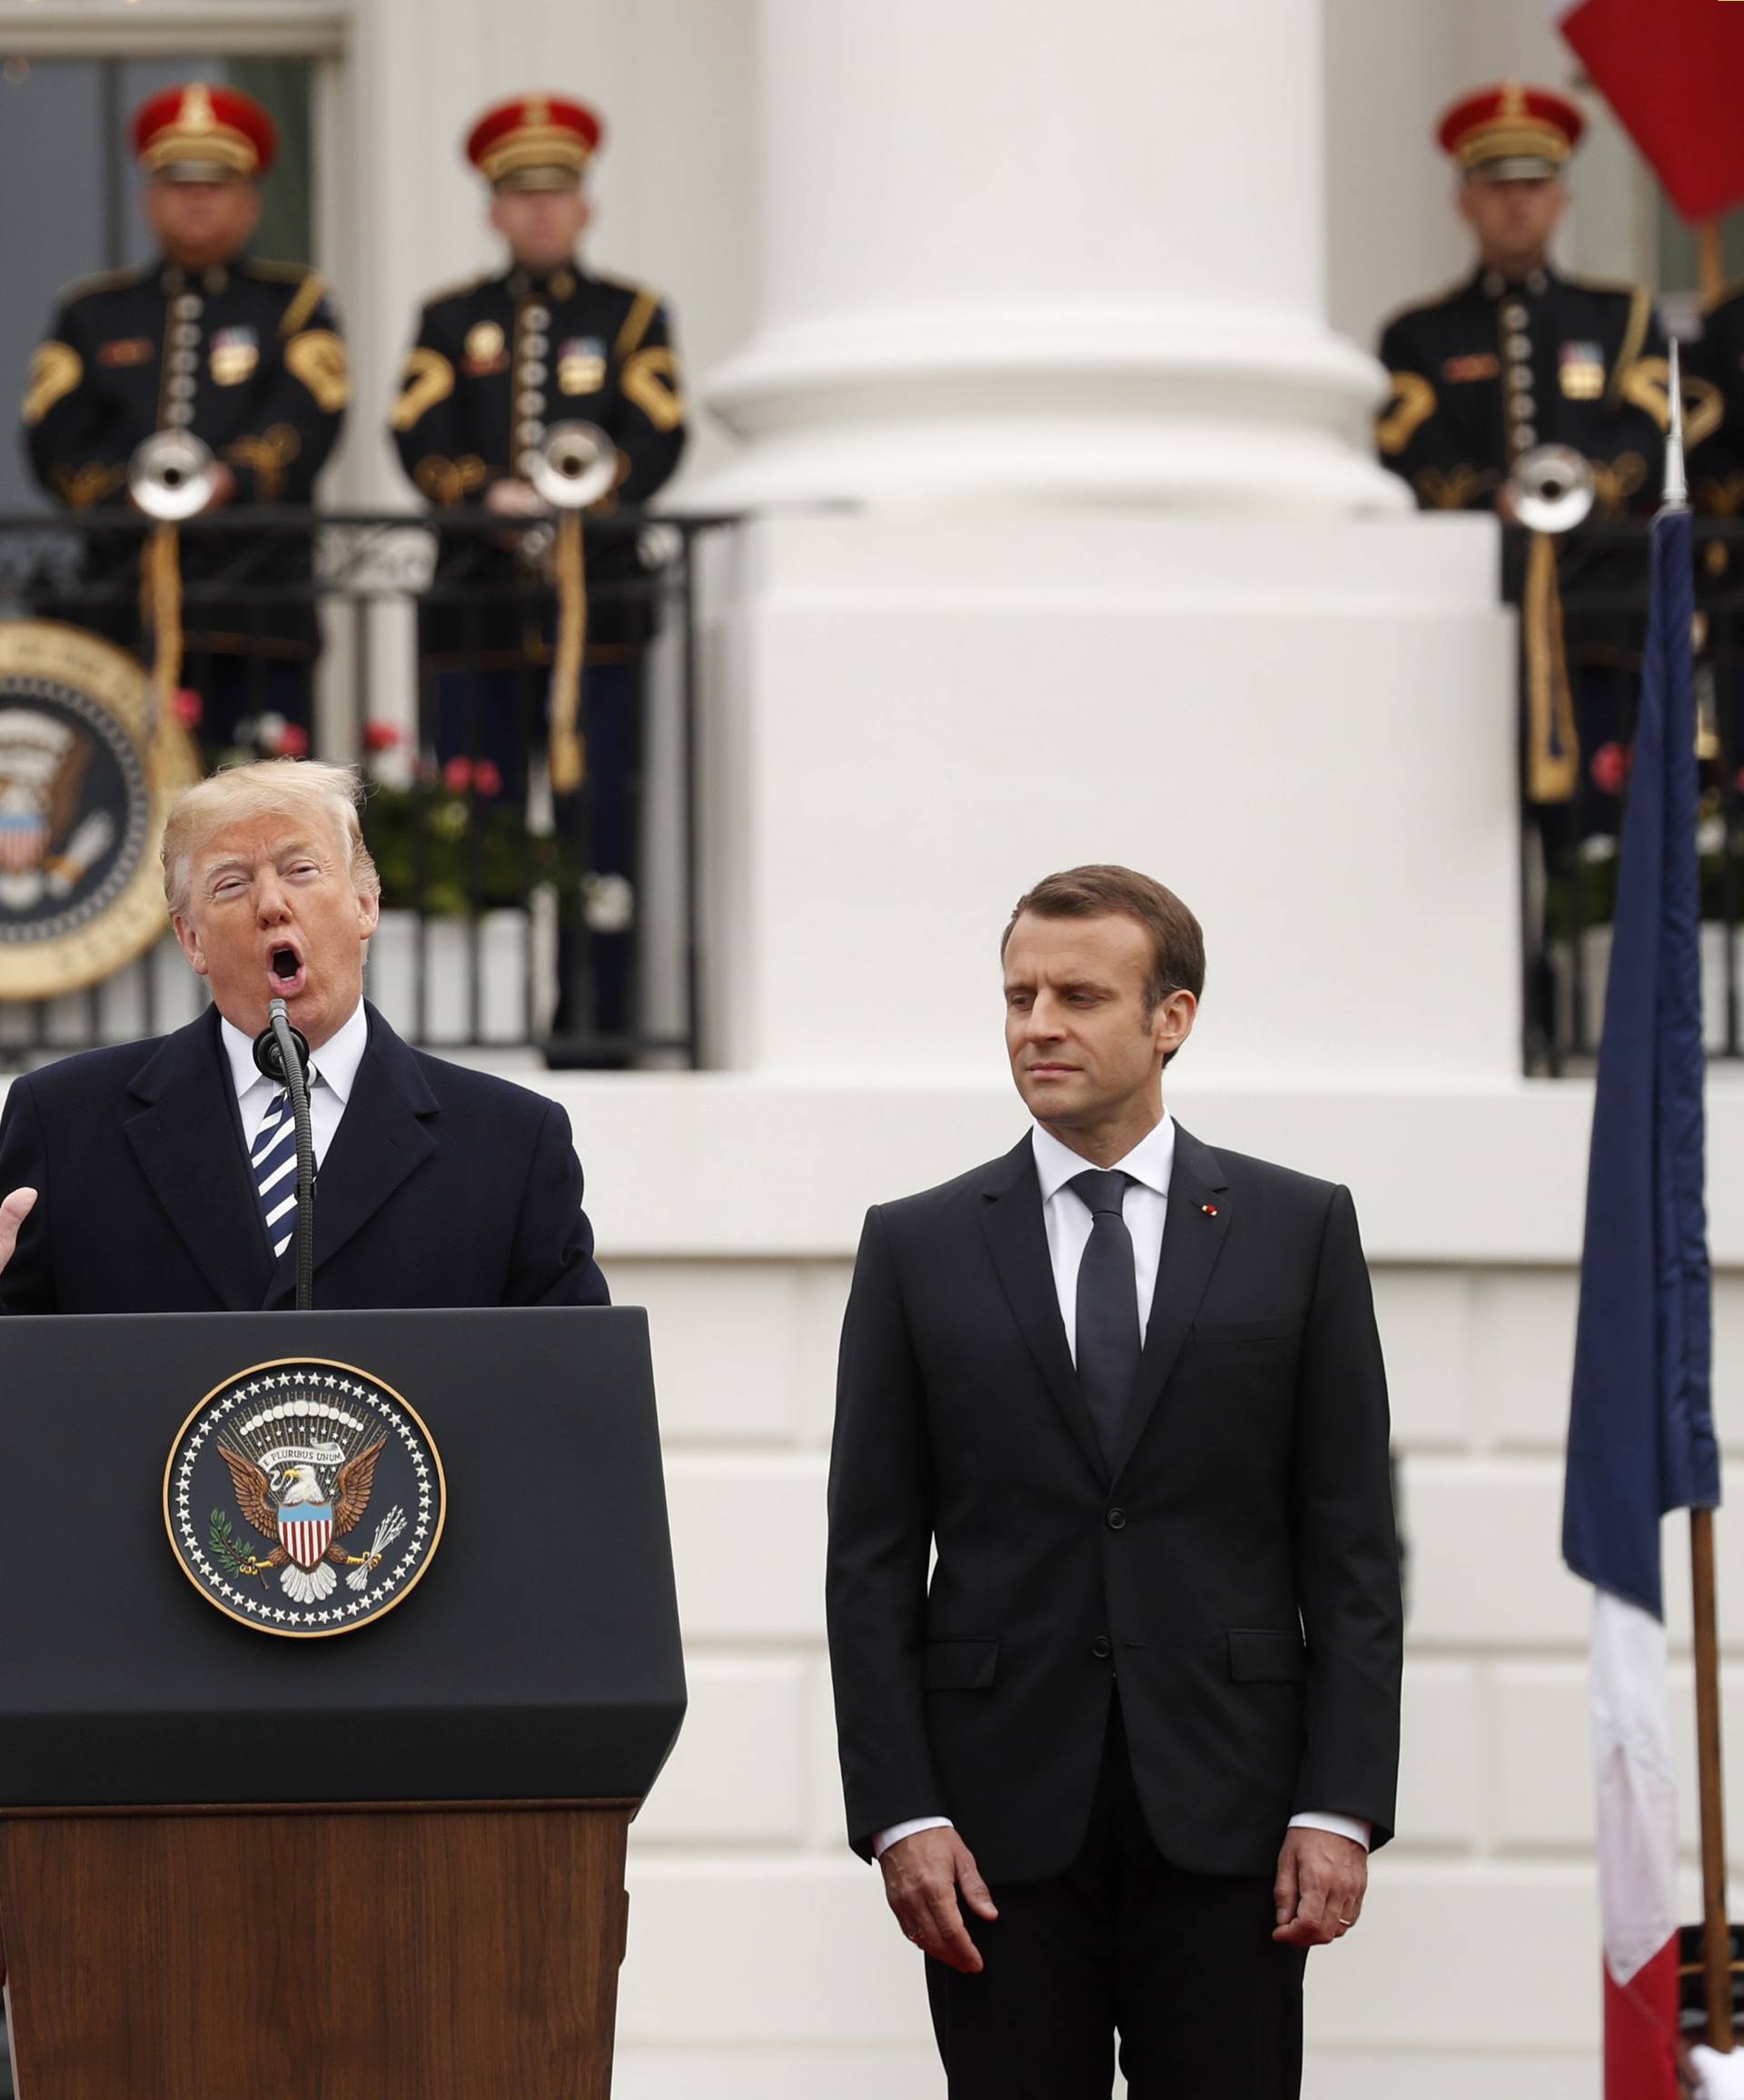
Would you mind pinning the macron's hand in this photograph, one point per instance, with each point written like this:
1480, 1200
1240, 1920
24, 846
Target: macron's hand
922, 1875
16, 1208
1321, 1881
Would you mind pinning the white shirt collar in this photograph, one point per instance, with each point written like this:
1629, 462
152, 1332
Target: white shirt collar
336, 1061
1151, 1161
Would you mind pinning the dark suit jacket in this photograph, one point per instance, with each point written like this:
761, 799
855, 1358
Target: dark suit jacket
442, 1187
1239, 1571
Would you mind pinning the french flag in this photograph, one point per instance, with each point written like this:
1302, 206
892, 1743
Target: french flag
1640, 1431
1670, 69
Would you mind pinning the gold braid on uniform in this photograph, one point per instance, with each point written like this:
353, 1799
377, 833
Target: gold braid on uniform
1552, 743
1413, 403
1640, 312
160, 565
317, 358
567, 756
266, 458
429, 378
1614, 481
449, 481
80, 487
651, 381
1456, 490
56, 369
309, 296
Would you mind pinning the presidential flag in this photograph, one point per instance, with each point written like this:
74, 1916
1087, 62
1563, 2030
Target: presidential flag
1640, 1430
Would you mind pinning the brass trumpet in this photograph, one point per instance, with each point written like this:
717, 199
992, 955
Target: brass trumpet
1551, 489
171, 476
576, 465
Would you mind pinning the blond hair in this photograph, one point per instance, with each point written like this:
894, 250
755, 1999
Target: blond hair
281, 786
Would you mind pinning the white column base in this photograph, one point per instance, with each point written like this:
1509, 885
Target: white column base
1185, 407
1306, 730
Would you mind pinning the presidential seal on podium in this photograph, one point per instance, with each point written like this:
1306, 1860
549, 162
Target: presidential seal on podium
86, 779
304, 1498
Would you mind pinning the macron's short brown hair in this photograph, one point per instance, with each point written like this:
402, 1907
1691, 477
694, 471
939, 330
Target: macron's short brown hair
1178, 943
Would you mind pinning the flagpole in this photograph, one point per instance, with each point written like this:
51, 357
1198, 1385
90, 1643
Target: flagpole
1716, 1927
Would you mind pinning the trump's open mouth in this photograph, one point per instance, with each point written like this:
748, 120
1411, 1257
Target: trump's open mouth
286, 974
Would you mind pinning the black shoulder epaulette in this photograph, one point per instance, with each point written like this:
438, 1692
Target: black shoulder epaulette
103, 280
1436, 299
278, 272
469, 285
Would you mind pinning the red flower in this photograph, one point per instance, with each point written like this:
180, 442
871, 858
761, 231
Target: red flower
457, 776
293, 741
188, 707
1609, 768
486, 778
382, 735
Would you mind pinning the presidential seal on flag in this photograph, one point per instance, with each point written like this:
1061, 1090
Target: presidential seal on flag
86, 782
304, 1498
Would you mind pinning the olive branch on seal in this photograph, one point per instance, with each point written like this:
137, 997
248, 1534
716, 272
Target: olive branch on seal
226, 1548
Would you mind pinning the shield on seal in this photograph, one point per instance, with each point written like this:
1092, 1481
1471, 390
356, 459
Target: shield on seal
23, 839
305, 1531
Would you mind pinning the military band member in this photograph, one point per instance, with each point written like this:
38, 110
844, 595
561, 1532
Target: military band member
245, 354
496, 365
1717, 471
1518, 354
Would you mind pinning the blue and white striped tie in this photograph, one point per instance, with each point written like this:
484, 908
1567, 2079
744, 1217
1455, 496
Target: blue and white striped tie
274, 1165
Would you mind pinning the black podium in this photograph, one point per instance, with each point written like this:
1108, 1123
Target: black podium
251, 1846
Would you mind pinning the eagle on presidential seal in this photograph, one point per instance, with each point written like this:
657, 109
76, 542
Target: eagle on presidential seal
305, 1507
44, 847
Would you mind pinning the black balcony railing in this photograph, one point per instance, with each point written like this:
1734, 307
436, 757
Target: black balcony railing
1570, 846
513, 919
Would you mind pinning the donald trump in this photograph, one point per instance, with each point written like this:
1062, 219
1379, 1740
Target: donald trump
154, 1177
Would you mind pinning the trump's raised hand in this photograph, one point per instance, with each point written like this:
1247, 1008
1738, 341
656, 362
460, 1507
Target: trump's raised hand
16, 1208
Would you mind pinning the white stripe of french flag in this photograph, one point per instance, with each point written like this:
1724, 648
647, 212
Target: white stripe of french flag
1638, 1849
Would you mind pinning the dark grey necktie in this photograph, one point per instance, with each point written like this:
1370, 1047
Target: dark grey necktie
1107, 1308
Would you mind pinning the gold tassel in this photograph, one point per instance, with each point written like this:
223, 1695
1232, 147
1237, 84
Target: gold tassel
568, 756
1552, 743
160, 576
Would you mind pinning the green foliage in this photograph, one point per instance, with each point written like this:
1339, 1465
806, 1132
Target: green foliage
457, 857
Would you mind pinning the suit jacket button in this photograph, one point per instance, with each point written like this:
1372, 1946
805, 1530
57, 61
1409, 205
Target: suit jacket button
1116, 1520
1102, 1648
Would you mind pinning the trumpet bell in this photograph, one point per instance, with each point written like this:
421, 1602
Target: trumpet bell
171, 476
1553, 489
576, 465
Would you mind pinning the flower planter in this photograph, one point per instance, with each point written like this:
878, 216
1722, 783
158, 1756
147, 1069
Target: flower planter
1595, 963
496, 947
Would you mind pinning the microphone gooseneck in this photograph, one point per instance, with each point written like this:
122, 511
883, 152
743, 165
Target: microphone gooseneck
281, 1052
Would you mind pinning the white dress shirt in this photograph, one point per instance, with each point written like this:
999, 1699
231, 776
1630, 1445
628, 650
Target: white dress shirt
333, 1074
1069, 1219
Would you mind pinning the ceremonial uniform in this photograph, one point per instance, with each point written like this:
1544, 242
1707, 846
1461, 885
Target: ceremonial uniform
497, 364
1493, 370
247, 356
1514, 359
1716, 470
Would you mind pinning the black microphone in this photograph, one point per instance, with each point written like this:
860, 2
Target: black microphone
269, 1057
281, 1052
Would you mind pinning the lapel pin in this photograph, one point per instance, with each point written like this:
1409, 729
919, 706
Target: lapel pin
1209, 1209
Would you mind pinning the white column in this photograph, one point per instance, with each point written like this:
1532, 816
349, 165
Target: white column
1013, 247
